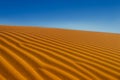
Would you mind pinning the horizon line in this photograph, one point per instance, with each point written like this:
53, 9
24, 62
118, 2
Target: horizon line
59, 28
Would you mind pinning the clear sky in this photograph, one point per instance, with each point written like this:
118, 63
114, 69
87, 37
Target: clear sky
92, 15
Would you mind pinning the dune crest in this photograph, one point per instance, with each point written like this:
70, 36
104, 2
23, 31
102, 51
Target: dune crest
31, 53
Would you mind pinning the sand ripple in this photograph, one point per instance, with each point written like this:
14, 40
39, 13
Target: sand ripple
30, 53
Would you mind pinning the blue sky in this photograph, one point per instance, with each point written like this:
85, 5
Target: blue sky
91, 15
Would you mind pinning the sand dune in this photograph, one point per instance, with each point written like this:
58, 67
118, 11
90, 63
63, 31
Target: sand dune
31, 53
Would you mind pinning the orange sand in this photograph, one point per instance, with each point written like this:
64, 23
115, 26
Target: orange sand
30, 53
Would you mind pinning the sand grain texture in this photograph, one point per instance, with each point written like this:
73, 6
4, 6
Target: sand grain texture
31, 53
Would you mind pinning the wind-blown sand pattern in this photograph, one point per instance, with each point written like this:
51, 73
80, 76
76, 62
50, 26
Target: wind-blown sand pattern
31, 53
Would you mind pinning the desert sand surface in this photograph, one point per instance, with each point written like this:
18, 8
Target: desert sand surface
36, 53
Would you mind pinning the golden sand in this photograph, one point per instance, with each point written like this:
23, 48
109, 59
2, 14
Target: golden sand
31, 53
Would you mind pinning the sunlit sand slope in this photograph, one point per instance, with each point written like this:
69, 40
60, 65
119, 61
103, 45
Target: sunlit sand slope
29, 53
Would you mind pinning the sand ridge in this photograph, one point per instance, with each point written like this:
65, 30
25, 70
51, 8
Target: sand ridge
31, 53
